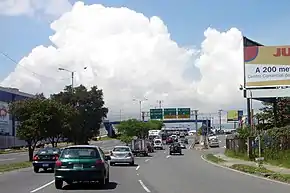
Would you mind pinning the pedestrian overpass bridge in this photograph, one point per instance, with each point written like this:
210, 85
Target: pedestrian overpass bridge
109, 125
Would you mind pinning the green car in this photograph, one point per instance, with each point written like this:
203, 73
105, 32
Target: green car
81, 163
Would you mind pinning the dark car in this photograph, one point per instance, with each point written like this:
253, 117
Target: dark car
175, 148
169, 140
82, 163
45, 158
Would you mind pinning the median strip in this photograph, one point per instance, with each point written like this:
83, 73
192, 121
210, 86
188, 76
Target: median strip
14, 166
214, 159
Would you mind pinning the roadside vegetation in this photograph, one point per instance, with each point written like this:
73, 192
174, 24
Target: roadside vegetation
73, 115
261, 171
131, 128
14, 166
273, 127
213, 158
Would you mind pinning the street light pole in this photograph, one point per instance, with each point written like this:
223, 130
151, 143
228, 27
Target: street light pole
72, 76
140, 106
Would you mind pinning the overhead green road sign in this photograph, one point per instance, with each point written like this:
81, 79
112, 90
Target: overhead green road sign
170, 113
156, 114
183, 113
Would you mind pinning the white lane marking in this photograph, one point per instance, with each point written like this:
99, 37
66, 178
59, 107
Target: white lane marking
164, 152
168, 156
244, 173
147, 160
41, 187
137, 174
224, 146
7, 159
137, 167
143, 186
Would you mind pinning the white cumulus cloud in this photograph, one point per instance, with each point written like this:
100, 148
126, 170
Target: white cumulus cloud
53, 8
130, 56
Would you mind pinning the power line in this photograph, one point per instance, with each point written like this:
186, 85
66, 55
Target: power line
33, 73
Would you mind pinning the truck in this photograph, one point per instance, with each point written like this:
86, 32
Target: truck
139, 147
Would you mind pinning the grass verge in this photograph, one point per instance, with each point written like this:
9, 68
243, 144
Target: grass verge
232, 154
14, 166
214, 159
260, 171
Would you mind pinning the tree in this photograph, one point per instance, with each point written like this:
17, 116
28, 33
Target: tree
91, 111
133, 127
268, 118
56, 120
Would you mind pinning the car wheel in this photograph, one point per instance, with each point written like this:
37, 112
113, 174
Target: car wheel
69, 182
58, 184
132, 163
111, 164
36, 169
170, 153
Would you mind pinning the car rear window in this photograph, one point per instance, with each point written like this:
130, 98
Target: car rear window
80, 153
121, 149
157, 141
48, 151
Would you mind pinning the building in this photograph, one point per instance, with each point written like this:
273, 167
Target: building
7, 122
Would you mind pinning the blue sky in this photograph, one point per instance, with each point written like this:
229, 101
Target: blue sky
186, 20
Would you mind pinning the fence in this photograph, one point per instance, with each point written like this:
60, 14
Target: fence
11, 141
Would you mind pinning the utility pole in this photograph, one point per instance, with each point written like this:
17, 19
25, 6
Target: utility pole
140, 106
220, 118
195, 115
120, 114
160, 103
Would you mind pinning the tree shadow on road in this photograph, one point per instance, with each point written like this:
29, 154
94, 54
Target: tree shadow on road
124, 165
90, 186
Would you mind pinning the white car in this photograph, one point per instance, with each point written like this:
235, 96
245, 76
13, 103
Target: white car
122, 154
213, 141
157, 144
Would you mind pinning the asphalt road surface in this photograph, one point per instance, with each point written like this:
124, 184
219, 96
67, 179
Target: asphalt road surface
160, 173
23, 156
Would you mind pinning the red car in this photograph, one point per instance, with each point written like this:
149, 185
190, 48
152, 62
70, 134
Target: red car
169, 140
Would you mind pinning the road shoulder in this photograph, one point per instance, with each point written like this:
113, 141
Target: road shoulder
249, 168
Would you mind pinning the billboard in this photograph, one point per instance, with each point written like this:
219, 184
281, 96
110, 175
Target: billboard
234, 115
267, 66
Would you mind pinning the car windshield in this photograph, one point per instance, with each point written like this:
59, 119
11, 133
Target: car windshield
80, 153
121, 149
48, 151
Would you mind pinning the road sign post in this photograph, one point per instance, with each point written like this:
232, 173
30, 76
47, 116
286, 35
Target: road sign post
170, 113
156, 114
183, 113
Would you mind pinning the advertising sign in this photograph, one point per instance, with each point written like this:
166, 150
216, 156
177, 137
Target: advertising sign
267, 66
234, 115
4, 117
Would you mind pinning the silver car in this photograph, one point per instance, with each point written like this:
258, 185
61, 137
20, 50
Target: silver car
122, 154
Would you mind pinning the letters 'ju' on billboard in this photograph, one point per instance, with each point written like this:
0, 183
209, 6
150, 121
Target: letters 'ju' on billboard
267, 66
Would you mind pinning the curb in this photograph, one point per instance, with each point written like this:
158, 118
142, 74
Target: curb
244, 173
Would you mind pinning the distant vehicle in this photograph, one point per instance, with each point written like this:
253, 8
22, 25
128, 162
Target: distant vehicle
182, 145
139, 147
45, 158
169, 140
122, 154
82, 163
184, 140
174, 137
213, 141
157, 144
175, 148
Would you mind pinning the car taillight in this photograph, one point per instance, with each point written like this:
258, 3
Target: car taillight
58, 163
35, 158
55, 157
99, 162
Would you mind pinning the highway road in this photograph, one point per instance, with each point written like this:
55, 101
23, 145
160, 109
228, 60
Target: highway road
23, 156
160, 173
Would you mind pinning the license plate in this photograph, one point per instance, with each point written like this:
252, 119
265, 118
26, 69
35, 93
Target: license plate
78, 165
44, 165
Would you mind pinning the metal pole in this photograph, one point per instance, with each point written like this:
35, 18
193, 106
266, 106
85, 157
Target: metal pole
140, 102
220, 119
251, 100
72, 81
195, 113
120, 115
